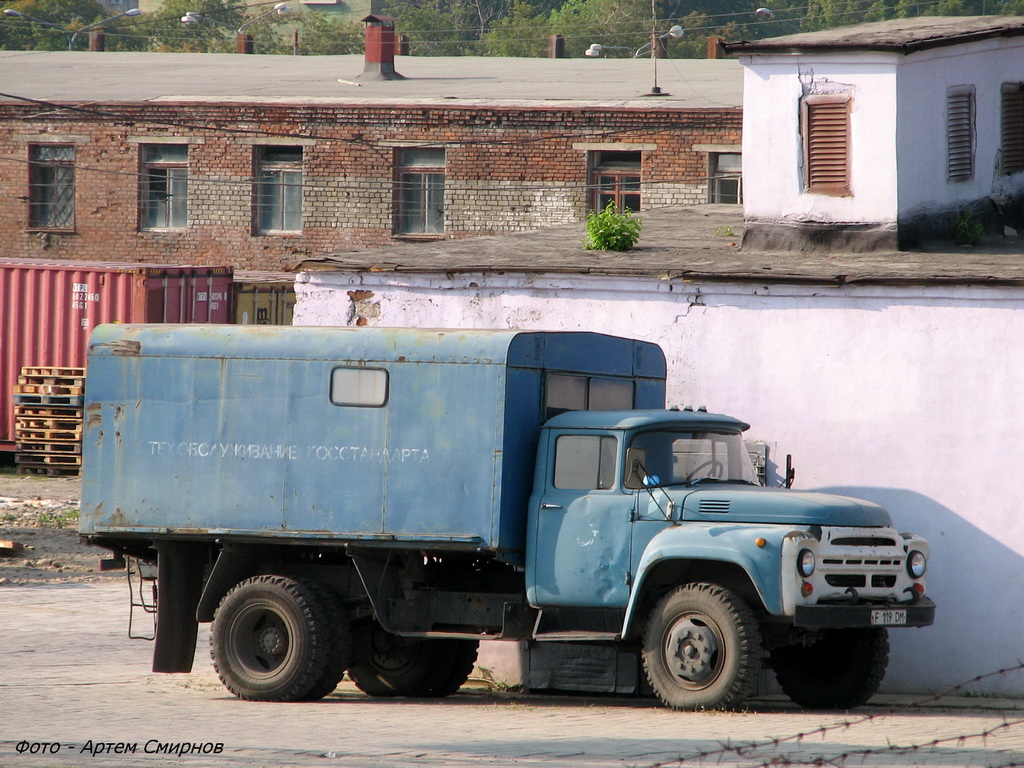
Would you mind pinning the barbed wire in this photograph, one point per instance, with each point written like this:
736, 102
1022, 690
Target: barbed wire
747, 750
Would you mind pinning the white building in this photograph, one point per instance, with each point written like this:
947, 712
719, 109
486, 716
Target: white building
880, 135
890, 376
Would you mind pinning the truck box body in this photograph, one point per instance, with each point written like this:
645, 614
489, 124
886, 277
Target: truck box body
225, 430
48, 308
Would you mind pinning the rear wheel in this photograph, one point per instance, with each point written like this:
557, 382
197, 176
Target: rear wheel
702, 648
842, 669
412, 666
271, 639
339, 654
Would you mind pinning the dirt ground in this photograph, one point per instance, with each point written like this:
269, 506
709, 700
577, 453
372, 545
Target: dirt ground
41, 514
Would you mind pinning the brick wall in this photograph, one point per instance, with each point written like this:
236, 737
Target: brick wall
506, 170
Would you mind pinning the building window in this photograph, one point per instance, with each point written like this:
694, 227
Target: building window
51, 186
164, 186
1013, 128
725, 184
615, 178
960, 133
278, 189
826, 123
420, 193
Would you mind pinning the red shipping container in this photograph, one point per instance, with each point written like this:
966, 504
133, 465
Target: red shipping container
49, 308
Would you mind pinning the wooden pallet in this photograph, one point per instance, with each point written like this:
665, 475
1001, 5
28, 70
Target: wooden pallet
49, 389
56, 400
48, 420
70, 422
46, 370
48, 459
39, 449
49, 471
48, 435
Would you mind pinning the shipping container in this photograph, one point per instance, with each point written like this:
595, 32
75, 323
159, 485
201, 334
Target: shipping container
48, 308
264, 298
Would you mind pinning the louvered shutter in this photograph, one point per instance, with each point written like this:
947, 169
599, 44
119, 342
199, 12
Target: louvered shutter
827, 145
960, 134
1013, 128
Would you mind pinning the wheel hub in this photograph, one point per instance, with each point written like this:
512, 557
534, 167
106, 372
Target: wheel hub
271, 641
692, 650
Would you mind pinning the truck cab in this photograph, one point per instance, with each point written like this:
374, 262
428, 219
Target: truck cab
651, 527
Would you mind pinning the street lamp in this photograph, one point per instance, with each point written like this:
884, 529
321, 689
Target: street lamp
767, 14
596, 49
71, 35
676, 32
244, 42
191, 17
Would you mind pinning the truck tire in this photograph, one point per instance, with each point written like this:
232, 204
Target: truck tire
459, 659
702, 648
271, 640
842, 670
413, 666
339, 655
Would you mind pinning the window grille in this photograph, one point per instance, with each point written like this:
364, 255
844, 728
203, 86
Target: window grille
279, 189
164, 186
51, 187
420, 192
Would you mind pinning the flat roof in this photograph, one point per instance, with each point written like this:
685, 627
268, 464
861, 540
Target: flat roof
608, 83
904, 36
688, 243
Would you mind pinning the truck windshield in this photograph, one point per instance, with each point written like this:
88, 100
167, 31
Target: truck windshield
675, 457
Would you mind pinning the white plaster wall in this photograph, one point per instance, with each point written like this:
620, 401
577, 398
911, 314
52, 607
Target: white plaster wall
924, 79
773, 184
907, 397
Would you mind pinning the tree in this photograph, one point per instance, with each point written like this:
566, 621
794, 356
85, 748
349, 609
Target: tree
21, 34
323, 35
523, 32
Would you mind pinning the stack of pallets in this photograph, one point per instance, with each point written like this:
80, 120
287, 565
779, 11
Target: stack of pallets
48, 420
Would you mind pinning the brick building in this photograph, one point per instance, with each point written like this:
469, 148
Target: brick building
260, 161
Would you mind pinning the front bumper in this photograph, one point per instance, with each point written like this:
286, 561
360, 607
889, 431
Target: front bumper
919, 614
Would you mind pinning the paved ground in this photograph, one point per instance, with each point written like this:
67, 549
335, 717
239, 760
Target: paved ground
72, 677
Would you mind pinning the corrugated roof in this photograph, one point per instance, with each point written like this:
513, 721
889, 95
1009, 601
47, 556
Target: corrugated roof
904, 36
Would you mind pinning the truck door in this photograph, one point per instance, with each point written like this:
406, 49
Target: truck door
581, 555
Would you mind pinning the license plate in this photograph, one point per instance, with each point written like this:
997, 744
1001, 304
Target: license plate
889, 616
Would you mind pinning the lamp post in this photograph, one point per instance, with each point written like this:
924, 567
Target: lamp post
71, 34
243, 43
596, 49
655, 45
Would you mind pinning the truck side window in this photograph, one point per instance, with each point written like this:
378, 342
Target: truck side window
585, 462
365, 387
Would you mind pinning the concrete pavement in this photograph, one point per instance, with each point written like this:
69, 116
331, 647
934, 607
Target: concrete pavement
71, 677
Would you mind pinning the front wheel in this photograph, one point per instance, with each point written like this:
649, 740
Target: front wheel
271, 639
702, 648
842, 669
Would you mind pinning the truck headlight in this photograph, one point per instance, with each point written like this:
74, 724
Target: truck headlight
917, 564
805, 563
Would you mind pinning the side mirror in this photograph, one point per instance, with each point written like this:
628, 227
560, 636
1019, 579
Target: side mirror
636, 475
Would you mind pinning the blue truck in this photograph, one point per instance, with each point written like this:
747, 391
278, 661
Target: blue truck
377, 501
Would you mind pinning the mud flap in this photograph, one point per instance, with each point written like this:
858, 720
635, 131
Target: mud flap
180, 581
